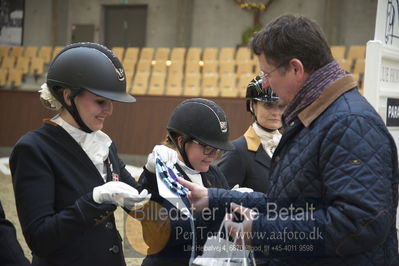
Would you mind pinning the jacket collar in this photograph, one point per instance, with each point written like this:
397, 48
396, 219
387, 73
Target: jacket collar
253, 140
327, 97
253, 144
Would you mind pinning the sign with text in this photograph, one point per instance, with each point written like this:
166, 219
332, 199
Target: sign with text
381, 79
392, 112
387, 22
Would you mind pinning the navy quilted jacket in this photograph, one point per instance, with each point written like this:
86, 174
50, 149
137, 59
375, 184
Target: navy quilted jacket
336, 157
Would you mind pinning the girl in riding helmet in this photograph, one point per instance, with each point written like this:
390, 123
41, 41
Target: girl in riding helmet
197, 134
67, 176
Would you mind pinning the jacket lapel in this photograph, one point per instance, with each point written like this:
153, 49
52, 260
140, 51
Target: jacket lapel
76, 150
262, 157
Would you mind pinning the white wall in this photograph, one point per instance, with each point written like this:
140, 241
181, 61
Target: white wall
162, 18
38, 22
357, 21
201, 23
221, 22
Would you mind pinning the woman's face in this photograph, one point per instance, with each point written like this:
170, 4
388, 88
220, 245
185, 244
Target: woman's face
268, 115
92, 109
195, 153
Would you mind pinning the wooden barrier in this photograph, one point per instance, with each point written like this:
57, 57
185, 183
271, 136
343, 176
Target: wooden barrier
135, 128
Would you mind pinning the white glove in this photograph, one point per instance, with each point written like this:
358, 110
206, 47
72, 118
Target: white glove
242, 189
166, 154
120, 194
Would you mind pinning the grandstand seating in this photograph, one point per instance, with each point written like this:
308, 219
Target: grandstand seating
192, 72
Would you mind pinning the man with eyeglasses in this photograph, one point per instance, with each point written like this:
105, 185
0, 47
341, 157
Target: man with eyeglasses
334, 176
248, 165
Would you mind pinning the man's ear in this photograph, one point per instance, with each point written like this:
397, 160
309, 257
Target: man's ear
67, 94
298, 68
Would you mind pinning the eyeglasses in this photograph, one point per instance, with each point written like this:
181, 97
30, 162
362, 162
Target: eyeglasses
266, 75
208, 150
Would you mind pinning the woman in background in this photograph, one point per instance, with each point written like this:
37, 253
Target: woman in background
248, 165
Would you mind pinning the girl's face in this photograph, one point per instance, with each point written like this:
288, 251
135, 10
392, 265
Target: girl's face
200, 156
268, 114
92, 109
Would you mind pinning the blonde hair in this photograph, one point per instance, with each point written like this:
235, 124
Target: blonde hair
48, 100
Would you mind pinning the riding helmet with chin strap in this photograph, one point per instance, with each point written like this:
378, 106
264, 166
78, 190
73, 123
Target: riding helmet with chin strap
201, 120
255, 91
87, 66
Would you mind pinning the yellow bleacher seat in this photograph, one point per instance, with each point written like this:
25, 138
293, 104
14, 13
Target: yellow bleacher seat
192, 84
45, 52
129, 77
56, 51
243, 81
157, 84
244, 67
23, 64
30, 51
226, 54
8, 62
159, 66
210, 54
338, 51
162, 54
144, 66
359, 66
356, 51
37, 66
14, 78
228, 86
359, 79
174, 84
193, 54
129, 66
257, 67
17, 51
176, 67
346, 64
140, 83
226, 67
119, 52
243, 54
4, 51
210, 85
132, 53
177, 54
146, 54
210, 66
3, 77
192, 67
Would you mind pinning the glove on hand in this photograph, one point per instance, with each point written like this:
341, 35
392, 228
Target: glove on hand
120, 194
242, 189
166, 154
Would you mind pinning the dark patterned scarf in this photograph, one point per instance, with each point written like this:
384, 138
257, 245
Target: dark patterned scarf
311, 90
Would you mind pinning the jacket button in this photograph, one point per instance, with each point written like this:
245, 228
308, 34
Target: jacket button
292, 123
277, 158
114, 249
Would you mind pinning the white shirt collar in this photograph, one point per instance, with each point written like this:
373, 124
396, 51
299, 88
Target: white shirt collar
194, 175
269, 140
95, 144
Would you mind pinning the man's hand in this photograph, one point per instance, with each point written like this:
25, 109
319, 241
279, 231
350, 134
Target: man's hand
232, 225
198, 195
